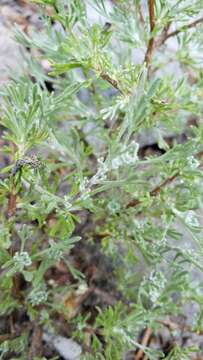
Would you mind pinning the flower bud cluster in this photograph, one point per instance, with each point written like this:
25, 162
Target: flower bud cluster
128, 157
54, 252
113, 207
100, 175
192, 162
67, 203
21, 260
191, 219
37, 296
157, 283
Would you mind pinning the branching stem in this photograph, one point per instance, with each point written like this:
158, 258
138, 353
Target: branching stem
155, 191
179, 30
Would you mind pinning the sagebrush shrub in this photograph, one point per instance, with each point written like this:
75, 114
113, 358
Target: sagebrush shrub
74, 173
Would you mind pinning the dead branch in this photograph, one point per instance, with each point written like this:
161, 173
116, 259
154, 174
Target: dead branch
36, 343
144, 342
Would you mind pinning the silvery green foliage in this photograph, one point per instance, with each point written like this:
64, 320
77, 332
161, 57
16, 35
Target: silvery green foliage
37, 296
145, 208
21, 260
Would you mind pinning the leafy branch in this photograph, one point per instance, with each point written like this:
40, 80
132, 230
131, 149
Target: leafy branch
154, 192
168, 35
101, 156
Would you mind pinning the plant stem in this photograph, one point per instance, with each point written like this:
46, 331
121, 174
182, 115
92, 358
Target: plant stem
148, 55
111, 81
163, 35
179, 30
155, 191
11, 209
11, 205
145, 340
36, 342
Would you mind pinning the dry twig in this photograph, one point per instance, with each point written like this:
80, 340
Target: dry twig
145, 341
36, 343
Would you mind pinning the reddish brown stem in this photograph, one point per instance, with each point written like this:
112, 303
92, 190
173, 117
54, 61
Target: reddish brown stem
16, 291
155, 191
150, 46
11, 205
145, 341
36, 343
162, 37
158, 188
151, 14
179, 30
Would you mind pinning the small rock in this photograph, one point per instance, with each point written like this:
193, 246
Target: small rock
9, 55
67, 348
